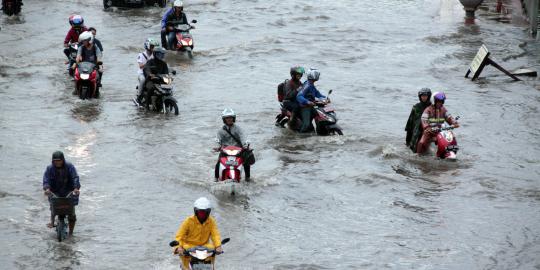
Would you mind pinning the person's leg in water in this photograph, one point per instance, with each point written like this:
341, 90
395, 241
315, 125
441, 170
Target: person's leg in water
424, 142
172, 37
306, 119
72, 218
164, 39
140, 88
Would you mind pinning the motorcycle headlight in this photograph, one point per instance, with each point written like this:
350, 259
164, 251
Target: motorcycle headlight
85, 76
166, 80
184, 43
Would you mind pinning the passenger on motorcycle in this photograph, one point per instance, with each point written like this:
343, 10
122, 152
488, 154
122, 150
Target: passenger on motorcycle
307, 96
77, 27
88, 52
142, 58
61, 178
96, 41
433, 117
175, 18
414, 124
290, 91
199, 229
232, 134
152, 68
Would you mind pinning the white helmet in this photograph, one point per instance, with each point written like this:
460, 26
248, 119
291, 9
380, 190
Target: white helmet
86, 35
228, 113
202, 203
178, 3
313, 74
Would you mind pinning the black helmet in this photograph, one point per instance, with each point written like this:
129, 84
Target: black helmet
424, 91
159, 53
58, 155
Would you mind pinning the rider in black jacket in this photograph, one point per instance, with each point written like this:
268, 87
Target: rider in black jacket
152, 68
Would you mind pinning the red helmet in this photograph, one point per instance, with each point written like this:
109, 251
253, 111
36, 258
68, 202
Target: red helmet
76, 20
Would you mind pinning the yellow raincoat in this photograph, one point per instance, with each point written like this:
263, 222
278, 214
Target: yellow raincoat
192, 233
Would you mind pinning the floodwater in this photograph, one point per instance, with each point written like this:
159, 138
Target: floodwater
359, 201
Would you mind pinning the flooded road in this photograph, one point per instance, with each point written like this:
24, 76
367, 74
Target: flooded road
359, 201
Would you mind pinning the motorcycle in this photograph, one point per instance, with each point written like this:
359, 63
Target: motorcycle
231, 163
62, 206
162, 100
73, 48
86, 80
11, 7
184, 40
200, 257
446, 142
323, 113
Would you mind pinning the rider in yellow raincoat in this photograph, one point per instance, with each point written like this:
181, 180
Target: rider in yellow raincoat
198, 230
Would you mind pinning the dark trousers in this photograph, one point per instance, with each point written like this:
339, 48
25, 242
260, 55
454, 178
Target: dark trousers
164, 39
306, 113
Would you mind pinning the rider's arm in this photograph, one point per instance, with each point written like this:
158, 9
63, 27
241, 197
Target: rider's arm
79, 55
47, 179
164, 18
68, 38
300, 97
214, 233
410, 121
241, 136
99, 54
318, 94
425, 119
182, 232
140, 61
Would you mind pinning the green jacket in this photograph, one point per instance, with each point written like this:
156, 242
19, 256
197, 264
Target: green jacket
414, 125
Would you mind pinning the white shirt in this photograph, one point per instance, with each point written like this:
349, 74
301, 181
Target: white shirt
142, 59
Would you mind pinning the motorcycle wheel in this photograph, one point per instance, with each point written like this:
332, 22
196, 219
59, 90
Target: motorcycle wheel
171, 106
190, 54
338, 131
60, 229
82, 92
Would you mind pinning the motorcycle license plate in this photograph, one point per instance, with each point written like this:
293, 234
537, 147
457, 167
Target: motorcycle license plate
452, 147
231, 163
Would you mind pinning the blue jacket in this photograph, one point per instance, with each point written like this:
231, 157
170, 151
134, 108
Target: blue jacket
164, 18
308, 93
51, 180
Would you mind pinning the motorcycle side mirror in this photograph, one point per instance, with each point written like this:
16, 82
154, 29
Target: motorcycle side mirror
193, 21
173, 72
225, 241
174, 243
99, 63
330, 92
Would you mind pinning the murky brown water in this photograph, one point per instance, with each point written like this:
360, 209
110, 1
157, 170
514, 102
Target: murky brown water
361, 201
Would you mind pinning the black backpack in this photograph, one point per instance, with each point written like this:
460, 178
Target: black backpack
281, 90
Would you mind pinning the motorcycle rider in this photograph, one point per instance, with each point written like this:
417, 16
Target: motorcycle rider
152, 68
164, 26
198, 230
232, 134
61, 178
433, 117
175, 18
414, 127
77, 27
290, 91
142, 58
88, 52
307, 96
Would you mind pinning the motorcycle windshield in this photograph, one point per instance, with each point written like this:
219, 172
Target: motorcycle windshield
183, 27
86, 67
329, 108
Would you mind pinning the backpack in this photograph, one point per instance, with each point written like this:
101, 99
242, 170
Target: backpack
281, 90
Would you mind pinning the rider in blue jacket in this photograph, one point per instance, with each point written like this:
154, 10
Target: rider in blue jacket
306, 97
164, 27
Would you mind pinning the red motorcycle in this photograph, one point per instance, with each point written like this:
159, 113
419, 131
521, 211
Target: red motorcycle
184, 40
446, 142
11, 7
231, 163
86, 80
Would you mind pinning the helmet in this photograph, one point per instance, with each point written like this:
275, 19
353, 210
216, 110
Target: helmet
313, 74
297, 70
178, 3
86, 36
76, 20
71, 19
424, 92
150, 42
438, 96
228, 113
58, 155
202, 208
159, 53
